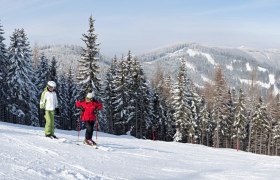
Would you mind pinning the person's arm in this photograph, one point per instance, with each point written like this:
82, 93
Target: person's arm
57, 110
99, 106
43, 100
78, 104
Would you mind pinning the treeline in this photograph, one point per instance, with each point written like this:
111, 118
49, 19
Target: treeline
164, 108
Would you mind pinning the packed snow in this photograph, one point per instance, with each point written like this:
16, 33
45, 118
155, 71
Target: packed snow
26, 154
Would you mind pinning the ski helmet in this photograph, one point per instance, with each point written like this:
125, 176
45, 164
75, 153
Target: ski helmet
89, 96
52, 84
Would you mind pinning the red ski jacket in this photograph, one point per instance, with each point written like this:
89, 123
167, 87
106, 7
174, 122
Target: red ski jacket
88, 109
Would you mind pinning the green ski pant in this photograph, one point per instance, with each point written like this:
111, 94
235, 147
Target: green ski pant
49, 126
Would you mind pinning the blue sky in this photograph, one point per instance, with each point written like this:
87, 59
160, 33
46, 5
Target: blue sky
142, 25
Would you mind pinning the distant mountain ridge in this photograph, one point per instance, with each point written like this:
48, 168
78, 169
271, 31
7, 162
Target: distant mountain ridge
201, 61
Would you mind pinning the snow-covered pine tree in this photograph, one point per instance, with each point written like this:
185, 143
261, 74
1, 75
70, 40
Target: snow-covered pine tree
219, 107
120, 88
273, 117
70, 99
21, 90
170, 122
193, 101
259, 128
108, 96
3, 67
42, 73
204, 123
182, 112
276, 127
140, 101
227, 119
159, 125
239, 125
53, 71
61, 121
88, 80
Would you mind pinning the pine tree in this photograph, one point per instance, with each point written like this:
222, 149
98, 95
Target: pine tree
119, 88
70, 99
276, 127
53, 70
140, 101
259, 129
61, 121
21, 90
182, 112
88, 67
3, 67
204, 123
219, 108
42, 73
109, 94
239, 131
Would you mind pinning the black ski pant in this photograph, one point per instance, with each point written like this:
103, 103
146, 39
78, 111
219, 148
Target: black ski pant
89, 129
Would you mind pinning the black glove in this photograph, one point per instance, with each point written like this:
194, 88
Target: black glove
57, 112
95, 111
43, 111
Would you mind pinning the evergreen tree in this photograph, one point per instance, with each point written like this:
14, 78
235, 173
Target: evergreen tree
120, 89
219, 108
239, 131
88, 67
42, 73
140, 101
259, 128
182, 112
70, 99
21, 90
169, 110
3, 67
61, 121
53, 70
204, 123
109, 94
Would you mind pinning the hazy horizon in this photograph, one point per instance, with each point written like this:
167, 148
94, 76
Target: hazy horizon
141, 26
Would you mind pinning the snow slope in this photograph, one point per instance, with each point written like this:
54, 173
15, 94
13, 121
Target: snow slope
26, 154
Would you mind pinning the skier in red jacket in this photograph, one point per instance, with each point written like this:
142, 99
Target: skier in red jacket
89, 109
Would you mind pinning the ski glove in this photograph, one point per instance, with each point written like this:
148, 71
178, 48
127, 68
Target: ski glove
57, 112
95, 111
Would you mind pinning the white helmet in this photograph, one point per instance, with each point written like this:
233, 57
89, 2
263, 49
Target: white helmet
52, 84
89, 96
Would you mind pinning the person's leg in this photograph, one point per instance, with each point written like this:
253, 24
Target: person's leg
89, 129
52, 122
48, 125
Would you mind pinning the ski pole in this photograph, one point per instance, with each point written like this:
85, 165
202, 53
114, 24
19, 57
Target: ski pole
96, 126
79, 125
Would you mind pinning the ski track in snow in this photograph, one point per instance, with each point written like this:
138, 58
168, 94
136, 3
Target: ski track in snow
26, 154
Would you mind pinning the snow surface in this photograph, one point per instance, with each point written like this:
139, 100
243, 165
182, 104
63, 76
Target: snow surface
193, 52
262, 69
26, 154
229, 67
190, 66
248, 67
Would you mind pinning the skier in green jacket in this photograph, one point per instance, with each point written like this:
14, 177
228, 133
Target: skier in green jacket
49, 107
